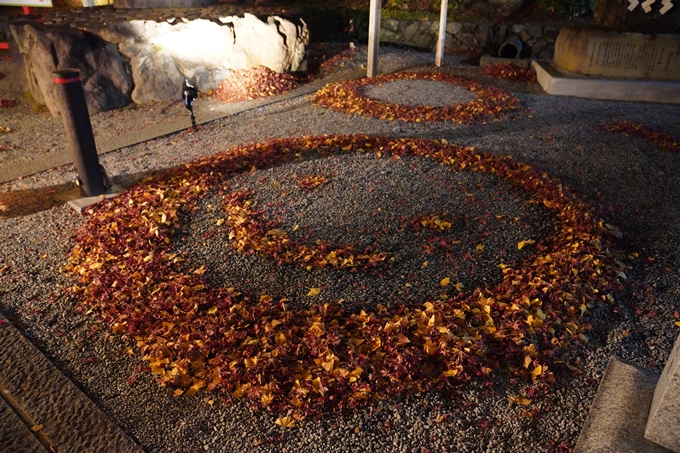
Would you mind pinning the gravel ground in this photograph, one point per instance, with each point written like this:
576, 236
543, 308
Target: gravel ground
628, 181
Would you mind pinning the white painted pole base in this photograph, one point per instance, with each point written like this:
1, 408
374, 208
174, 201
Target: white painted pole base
439, 56
373, 38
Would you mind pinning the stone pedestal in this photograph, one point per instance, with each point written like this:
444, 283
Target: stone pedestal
635, 410
620, 55
663, 423
560, 84
616, 421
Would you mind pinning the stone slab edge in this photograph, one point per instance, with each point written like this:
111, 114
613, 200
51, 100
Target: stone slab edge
554, 82
79, 202
617, 418
489, 60
15, 435
664, 414
46, 399
57, 159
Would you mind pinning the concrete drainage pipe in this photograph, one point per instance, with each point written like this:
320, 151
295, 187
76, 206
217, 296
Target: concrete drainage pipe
511, 48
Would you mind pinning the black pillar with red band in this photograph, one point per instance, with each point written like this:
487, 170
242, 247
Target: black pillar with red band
78, 129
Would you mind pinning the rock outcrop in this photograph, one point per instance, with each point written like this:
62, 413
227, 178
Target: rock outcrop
145, 60
106, 80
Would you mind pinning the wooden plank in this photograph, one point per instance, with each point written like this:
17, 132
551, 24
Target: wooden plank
373, 38
439, 56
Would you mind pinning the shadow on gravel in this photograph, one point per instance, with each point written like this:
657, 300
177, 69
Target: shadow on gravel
19, 203
31, 201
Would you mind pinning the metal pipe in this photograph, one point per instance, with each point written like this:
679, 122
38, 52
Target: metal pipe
79, 131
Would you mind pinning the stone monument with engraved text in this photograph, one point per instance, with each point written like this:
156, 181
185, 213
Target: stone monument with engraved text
626, 55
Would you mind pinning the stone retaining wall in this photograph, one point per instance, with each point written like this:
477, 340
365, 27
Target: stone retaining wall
537, 39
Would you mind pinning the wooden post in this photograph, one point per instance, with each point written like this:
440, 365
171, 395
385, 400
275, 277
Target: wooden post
439, 57
373, 38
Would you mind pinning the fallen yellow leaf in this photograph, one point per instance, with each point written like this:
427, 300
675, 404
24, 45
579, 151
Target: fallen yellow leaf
354, 375
430, 347
285, 422
519, 400
522, 244
314, 291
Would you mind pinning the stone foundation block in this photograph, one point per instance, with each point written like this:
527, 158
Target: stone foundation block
663, 423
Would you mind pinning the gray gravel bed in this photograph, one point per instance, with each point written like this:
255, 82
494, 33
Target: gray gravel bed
372, 205
419, 92
630, 183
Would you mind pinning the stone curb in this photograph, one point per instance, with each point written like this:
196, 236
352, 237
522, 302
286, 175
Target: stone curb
15, 436
41, 410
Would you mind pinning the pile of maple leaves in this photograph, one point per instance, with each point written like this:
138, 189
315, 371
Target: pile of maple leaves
336, 62
300, 361
348, 97
248, 84
512, 72
663, 141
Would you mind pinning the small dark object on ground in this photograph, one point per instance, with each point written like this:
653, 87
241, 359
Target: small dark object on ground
189, 93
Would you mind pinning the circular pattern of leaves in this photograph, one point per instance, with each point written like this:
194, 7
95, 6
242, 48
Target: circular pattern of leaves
663, 141
249, 234
348, 97
305, 360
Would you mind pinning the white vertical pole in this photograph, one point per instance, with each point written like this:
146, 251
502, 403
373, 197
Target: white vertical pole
373, 38
442, 33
